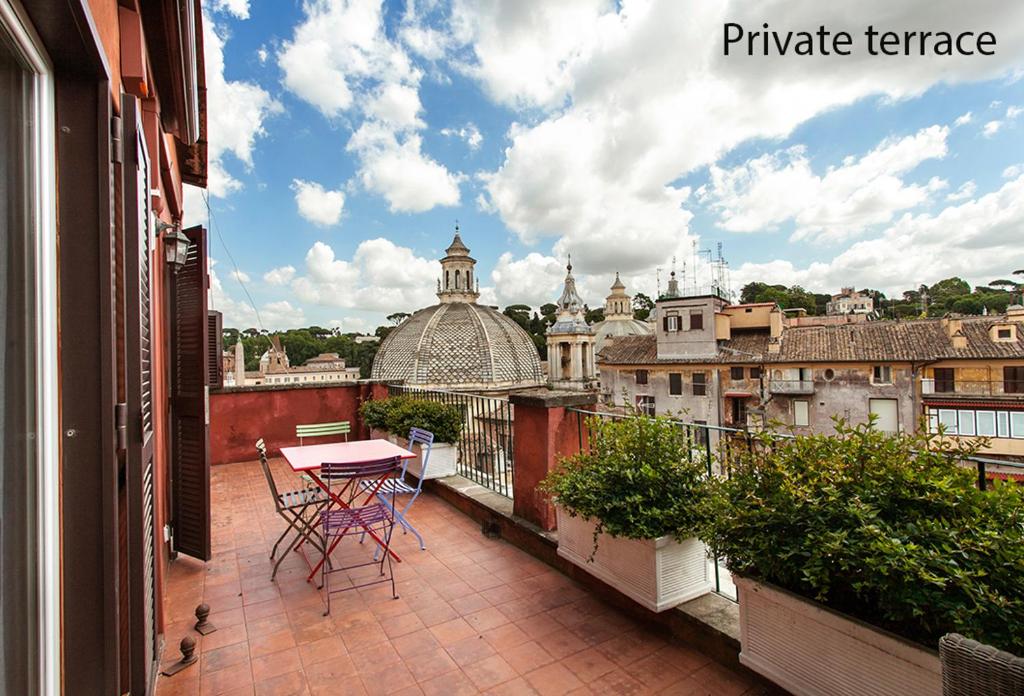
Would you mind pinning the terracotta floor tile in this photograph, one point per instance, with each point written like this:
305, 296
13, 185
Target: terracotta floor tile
617, 683
486, 619
506, 636
374, 658
415, 643
387, 680
220, 658
527, 657
437, 613
274, 664
490, 672
562, 643
226, 635
517, 687
326, 648
336, 670
222, 681
452, 631
449, 684
429, 664
554, 679
261, 610
268, 624
721, 681
288, 684
397, 626
272, 643
589, 664
470, 603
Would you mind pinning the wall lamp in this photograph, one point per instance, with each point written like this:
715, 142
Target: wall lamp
176, 244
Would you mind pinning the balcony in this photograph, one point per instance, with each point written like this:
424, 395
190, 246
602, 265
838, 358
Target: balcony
791, 387
475, 614
1001, 389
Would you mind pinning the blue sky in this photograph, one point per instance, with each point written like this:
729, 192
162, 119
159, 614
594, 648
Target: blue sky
348, 136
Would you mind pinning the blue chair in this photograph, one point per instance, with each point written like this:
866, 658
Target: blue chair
399, 486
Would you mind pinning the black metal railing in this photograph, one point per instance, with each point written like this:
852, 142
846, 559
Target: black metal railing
485, 444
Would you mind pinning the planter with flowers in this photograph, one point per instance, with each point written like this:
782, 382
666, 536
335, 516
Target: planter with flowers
392, 418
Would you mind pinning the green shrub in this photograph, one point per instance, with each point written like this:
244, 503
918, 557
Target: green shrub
636, 481
889, 529
398, 414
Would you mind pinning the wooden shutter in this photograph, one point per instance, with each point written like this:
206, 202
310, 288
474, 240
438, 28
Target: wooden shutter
215, 352
190, 445
675, 383
138, 247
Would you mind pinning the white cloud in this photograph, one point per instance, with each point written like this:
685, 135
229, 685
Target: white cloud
262, 54
236, 112
639, 94
240, 276
381, 277
280, 276
534, 279
338, 46
977, 240
340, 55
843, 202
1014, 111
991, 128
317, 204
239, 8
469, 132
1013, 171
279, 314
966, 190
963, 120
395, 167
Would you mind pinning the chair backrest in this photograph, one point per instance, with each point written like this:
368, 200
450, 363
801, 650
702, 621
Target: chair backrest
261, 447
342, 471
970, 667
425, 439
323, 429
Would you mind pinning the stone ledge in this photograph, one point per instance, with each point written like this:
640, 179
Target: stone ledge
542, 397
710, 623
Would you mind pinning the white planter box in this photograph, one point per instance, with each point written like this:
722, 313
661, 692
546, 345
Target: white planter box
809, 649
657, 573
441, 463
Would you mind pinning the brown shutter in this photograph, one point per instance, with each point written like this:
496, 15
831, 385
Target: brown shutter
190, 461
664, 323
138, 237
214, 356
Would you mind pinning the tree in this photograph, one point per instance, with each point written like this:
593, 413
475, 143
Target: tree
548, 309
642, 306
593, 316
398, 317
520, 314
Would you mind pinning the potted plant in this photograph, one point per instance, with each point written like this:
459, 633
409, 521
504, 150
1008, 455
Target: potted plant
855, 553
627, 509
392, 418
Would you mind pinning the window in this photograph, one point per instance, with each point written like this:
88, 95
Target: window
1013, 380
735, 373
641, 376
696, 320
645, 404
1002, 424
28, 425
1004, 334
947, 419
986, 421
739, 411
801, 413
944, 379
965, 422
829, 374
1017, 424
886, 413
671, 322
881, 374
675, 384
701, 438
699, 384
755, 373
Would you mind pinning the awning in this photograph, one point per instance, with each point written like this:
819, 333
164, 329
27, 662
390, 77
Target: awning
738, 394
965, 403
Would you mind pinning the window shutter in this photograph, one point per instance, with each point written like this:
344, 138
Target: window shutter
215, 352
664, 323
190, 462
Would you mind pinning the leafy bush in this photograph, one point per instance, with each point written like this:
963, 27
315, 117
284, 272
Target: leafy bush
889, 529
398, 414
636, 481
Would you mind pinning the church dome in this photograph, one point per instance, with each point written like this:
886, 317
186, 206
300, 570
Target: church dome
619, 320
458, 344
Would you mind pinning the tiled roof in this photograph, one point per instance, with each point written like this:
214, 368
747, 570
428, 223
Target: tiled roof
919, 340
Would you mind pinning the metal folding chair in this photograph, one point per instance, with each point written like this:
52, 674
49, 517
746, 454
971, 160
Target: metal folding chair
400, 486
293, 507
374, 517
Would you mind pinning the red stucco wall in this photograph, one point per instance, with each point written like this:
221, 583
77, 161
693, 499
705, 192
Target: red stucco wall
239, 418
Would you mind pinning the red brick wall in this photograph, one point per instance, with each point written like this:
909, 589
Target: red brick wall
240, 417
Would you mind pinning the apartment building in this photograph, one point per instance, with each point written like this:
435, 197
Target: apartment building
850, 301
747, 365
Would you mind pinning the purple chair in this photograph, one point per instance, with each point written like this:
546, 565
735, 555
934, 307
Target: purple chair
373, 516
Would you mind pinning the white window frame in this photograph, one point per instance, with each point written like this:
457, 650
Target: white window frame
673, 322
17, 25
988, 418
886, 374
806, 407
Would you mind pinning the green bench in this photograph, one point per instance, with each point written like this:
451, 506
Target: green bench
323, 430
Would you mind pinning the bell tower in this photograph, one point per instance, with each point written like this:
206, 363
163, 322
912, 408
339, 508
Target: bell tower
458, 281
570, 341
